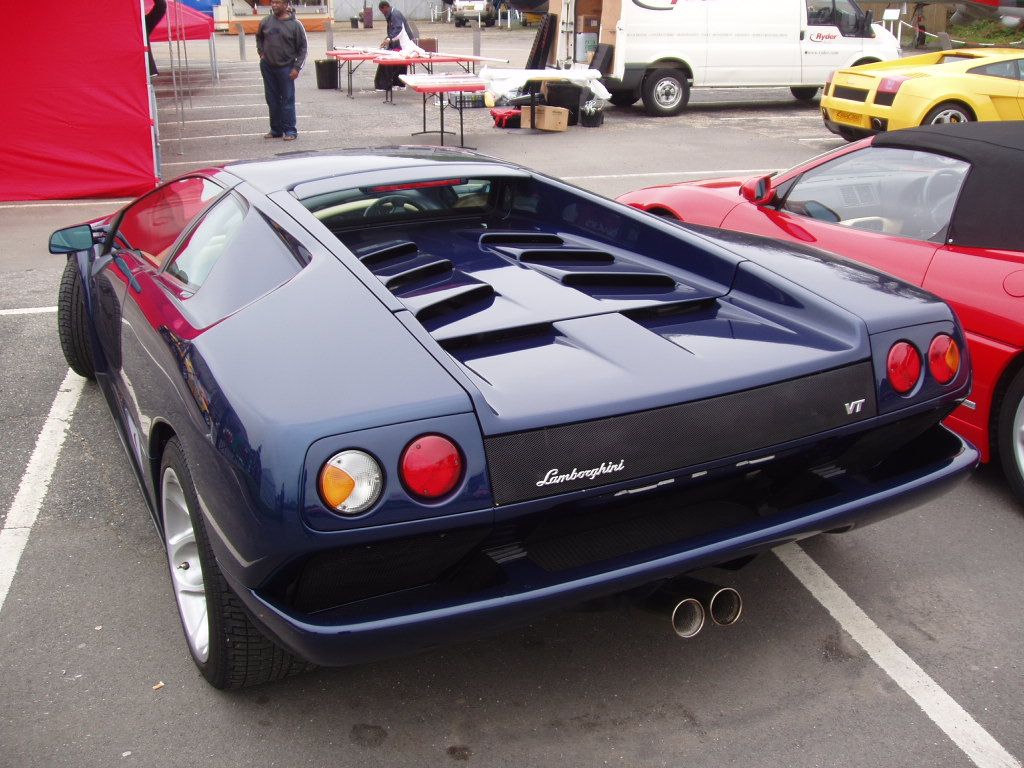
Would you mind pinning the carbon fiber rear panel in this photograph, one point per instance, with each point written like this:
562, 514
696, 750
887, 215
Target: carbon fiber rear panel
533, 464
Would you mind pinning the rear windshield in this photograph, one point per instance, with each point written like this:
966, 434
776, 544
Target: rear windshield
386, 203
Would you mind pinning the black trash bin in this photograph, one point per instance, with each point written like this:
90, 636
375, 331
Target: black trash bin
326, 74
355, 22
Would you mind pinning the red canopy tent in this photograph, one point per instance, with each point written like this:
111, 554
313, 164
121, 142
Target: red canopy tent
181, 22
79, 123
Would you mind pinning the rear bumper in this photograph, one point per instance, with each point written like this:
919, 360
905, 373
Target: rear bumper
519, 586
863, 128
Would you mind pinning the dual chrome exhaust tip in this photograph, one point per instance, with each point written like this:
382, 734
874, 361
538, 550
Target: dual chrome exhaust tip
691, 603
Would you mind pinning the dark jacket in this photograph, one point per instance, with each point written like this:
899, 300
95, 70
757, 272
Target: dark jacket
396, 20
281, 42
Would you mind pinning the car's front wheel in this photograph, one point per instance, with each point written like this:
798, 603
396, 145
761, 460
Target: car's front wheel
229, 650
1010, 434
72, 322
665, 92
948, 112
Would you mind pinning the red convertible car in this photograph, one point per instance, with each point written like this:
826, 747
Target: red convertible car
939, 206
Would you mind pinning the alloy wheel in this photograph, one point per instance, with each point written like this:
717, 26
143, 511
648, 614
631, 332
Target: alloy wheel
186, 570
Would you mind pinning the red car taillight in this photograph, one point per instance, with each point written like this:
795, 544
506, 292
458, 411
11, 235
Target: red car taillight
891, 84
431, 466
943, 358
903, 366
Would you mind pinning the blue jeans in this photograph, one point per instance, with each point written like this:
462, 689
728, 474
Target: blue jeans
279, 89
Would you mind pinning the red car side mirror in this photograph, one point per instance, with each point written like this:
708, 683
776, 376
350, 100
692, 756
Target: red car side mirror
758, 190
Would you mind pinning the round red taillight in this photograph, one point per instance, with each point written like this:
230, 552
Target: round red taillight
431, 466
943, 358
903, 366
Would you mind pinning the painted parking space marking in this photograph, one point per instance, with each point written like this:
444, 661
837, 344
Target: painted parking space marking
36, 480
191, 121
205, 163
230, 136
983, 750
28, 311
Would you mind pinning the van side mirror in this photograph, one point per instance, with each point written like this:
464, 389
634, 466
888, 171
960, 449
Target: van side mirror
866, 21
758, 190
71, 239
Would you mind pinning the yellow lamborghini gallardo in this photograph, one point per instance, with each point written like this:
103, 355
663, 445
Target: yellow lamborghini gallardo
941, 87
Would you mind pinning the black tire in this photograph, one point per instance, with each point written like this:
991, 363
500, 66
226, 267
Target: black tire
804, 93
1009, 436
665, 92
851, 134
73, 323
238, 654
949, 112
624, 98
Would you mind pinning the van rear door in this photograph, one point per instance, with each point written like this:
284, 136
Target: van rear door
753, 42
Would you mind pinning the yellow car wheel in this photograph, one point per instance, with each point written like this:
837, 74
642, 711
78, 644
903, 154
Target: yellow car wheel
949, 112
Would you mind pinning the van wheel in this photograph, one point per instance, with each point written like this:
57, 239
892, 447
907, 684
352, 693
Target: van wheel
804, 93
665, 92
624, 98
72, 322
229, 650
1010, 435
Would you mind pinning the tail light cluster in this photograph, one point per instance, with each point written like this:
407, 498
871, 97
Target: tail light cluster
904, 364
351, 482
885, 95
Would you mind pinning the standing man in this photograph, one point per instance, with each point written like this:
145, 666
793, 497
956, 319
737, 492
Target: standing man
396, 26
399, 32
281, 44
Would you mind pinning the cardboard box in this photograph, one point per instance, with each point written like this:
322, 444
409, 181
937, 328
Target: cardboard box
587, 23
548, 118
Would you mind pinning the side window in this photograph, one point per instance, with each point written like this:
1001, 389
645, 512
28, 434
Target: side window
1009, 70
153, 223
847, 16
820, 13
254, 257
200, 251
892, 191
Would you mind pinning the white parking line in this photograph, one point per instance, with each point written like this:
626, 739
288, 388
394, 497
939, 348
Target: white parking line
191, 121
204, 163
983, 750
36, 480
232, 136
28, 311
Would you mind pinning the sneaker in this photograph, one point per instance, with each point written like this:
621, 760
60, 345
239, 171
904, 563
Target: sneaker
290, 137
271, 135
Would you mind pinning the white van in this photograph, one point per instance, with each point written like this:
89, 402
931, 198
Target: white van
656, 50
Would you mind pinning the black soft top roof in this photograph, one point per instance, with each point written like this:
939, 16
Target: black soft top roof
989, 211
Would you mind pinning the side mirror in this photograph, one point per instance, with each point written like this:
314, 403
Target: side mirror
71, 239
867, 20
758, 190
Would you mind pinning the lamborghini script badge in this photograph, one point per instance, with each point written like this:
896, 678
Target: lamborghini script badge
553, 478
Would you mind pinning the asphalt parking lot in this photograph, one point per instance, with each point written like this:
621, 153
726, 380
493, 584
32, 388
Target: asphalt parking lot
894, 645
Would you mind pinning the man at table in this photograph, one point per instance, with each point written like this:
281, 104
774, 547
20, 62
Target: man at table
399, 36
281, 44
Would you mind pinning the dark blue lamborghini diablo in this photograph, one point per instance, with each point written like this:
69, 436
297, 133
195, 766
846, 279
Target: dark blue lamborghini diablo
382, 399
